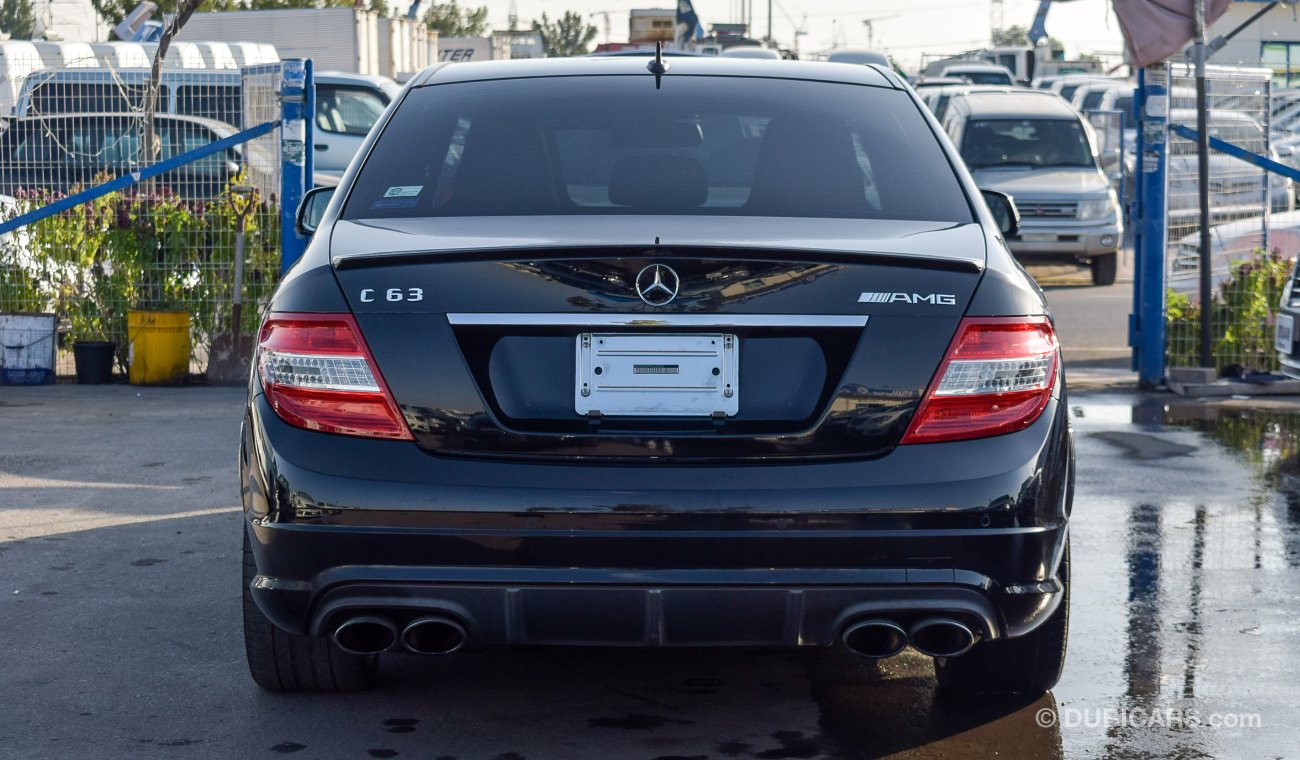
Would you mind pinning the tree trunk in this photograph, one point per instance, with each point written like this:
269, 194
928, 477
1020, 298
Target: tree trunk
149, 145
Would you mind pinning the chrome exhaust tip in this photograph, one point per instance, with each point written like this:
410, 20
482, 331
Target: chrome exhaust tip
875, 638
942, 637
366, 635
433, 635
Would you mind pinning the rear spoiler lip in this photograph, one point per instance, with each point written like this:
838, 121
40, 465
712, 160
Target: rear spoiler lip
595, 251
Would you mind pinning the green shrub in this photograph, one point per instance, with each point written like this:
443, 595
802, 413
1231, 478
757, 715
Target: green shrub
93, 263
1243, 312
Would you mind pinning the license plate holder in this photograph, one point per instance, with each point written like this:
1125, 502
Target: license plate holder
1284, 338
660, 375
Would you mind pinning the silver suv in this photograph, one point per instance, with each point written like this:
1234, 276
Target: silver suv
1034, 147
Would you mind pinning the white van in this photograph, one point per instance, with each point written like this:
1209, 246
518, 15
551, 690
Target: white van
217, 55
121, 55
180, 55
67, 55
18, 59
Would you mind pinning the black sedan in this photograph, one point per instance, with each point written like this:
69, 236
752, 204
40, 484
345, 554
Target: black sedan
625, 352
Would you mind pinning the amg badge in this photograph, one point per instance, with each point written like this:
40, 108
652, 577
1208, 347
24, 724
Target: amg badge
938, 299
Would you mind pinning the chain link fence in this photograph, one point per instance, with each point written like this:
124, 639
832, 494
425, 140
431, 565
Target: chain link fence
1247, 277
165, 244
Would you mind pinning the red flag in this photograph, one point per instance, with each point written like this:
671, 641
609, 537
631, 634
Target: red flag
1156, 29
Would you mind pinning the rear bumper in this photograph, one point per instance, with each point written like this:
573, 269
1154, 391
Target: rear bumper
656, 555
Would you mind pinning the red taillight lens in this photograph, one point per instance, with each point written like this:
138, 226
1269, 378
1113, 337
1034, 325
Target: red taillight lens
319, 375
996, 378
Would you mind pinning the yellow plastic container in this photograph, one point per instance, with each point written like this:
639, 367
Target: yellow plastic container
159, 346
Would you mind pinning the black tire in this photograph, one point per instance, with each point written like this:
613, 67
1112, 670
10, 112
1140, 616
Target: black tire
1104, 268
1030, 664
282, 661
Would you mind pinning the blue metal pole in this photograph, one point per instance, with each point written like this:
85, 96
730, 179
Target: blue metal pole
1147, 325
296, 93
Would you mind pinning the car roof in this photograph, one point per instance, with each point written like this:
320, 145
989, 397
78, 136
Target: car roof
447, 73
1019, 104
975, 67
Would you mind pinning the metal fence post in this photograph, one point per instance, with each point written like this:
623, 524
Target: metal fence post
1147, 325
297, 99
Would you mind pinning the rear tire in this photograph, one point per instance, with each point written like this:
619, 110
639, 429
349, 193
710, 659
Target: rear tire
1104, 268
282, 661
1030, 664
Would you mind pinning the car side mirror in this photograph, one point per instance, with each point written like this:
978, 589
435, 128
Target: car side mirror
1004, 212
312, 210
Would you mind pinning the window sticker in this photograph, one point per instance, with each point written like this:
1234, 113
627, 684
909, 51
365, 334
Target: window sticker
404, 191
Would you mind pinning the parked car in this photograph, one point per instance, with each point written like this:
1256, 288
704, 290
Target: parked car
1089, 96
981, 73
927, 82
858, 56
725, 355
1068, 84
937, 98
1285, 336
1033, 146
1237, 189
65, 151
347, 106
1231, 244
751, 51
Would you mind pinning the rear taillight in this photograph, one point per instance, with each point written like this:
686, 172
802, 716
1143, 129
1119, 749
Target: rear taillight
996, 378
319, 375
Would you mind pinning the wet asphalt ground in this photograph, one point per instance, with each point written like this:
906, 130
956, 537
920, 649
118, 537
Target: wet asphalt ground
119, 617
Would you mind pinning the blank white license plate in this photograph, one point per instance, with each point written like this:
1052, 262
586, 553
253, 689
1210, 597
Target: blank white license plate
1285, 336
1038, 237
621, 374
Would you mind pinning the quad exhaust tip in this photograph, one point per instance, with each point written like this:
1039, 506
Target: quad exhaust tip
433, 635
366, 635
942, 637
876, 639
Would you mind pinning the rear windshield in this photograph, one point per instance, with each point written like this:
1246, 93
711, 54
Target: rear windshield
1092, 99
1124, 104
699, 145
1026, 142
986, 77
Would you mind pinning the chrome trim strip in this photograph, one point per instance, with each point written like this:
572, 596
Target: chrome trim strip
661, 320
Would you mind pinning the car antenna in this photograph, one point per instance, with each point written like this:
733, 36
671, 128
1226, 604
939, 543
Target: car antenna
658, 66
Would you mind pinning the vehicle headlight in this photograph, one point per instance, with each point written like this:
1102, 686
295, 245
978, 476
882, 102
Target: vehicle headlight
1098, 208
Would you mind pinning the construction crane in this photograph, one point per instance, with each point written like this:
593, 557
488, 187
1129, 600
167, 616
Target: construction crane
800, 29
869, 23
604, 14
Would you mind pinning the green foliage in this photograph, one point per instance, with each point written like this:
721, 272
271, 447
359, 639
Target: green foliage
1243, 313
94, 263
1016, 35
451, 20
113, 11
569, 35
17, 19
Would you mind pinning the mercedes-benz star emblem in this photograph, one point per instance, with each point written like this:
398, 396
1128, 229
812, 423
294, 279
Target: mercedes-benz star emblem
657, 284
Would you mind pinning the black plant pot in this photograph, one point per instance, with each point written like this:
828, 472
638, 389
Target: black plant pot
94, 360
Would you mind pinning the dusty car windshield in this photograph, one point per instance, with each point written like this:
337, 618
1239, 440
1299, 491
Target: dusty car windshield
699, 145
1026, 142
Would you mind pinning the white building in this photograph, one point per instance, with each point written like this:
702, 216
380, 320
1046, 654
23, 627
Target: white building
1271, 42
72, 20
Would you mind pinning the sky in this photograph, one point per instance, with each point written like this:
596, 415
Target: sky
904, 28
